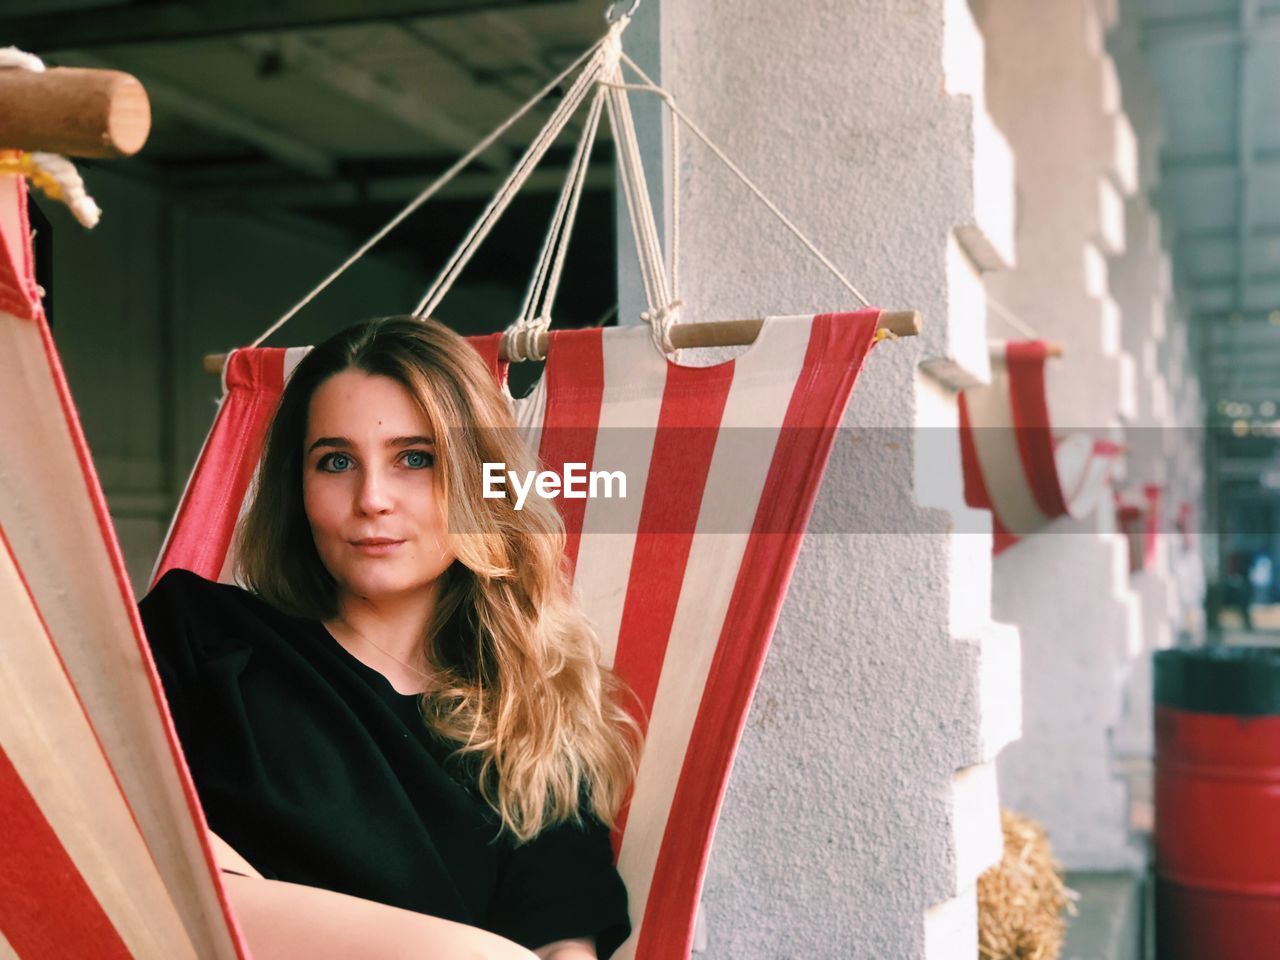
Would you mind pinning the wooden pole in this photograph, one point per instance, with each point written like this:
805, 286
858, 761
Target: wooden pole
724, 333
1053, 350
72, 111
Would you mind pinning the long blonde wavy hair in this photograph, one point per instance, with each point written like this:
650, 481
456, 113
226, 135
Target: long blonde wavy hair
519, 688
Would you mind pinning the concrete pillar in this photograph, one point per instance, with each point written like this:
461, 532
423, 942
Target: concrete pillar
862, 805
1053, 91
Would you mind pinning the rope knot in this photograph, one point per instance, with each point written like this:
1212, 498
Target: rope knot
661, 320
612, 48
54, 175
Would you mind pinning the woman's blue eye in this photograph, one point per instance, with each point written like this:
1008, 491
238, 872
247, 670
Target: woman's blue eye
418, 459
334, 462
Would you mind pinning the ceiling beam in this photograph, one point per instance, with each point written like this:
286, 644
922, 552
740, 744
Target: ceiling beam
1248, 22
1260, 231
167, 21
354, 190
1215, 164
1241, 276
1159, 33
416, 112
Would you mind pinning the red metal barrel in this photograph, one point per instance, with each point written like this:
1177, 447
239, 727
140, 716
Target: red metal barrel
1217, 789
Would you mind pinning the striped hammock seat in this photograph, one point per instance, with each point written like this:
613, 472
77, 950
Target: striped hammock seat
1015, 465
1139, 517
104, 847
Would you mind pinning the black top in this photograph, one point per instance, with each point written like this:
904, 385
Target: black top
311, 765
1240, 681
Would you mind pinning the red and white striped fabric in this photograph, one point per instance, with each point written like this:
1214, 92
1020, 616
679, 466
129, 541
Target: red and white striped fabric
1138, 517
683, 579
103, 847
1014, 465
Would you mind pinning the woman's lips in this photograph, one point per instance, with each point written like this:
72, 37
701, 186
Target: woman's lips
376, 546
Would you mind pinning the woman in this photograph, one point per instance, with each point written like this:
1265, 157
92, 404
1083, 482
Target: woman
400, 733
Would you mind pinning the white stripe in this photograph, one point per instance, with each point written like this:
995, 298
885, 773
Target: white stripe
995, 441
530, 412
6, 950
633, 387
292, 357
757, 404
48, 740
1082, 473
76, 576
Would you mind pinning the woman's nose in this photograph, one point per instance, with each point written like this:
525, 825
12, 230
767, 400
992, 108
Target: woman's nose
373, 494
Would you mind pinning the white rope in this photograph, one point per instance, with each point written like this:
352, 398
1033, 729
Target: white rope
631, 165
430, 191
20, 59
70, 186
607, 49
1011, 318
673, 230
529, 310
602, 68
663, 308
535, 314
571, 197
650, 87
557, 268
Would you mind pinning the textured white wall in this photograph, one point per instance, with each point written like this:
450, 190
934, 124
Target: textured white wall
862, 803
1053, 91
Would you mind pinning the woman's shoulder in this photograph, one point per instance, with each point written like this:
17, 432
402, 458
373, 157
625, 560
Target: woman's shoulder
186, 588
184, 600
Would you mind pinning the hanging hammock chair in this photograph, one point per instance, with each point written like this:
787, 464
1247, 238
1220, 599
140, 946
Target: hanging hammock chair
1014, 464
684, 579
1138, 516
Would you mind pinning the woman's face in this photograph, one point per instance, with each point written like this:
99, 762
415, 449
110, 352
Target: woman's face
367, 487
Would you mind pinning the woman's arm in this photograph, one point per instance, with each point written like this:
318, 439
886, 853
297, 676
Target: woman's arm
229, 860
288, 921
583, 949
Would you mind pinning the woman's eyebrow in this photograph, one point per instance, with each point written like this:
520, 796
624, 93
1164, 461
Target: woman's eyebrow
411, 442
329, 442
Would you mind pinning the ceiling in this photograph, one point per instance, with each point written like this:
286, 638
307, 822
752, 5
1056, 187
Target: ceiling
1217, 65
338, 112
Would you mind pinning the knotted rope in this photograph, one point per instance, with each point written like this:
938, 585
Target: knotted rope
54, 175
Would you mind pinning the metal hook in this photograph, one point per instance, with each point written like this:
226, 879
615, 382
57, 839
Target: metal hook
611, 14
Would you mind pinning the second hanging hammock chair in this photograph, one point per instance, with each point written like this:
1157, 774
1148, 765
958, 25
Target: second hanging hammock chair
1015, 464
684, 579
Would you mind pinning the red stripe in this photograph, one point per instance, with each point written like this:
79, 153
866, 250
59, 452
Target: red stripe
1026, 362
575, 390
1151, 539
487, 346
19, 294
693, 401
838, 345
1001, 539
975, 484
47, 911
206, 519
106, 532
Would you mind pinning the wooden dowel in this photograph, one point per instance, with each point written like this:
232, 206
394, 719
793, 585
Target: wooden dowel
1053, 350
73, 111
724, 333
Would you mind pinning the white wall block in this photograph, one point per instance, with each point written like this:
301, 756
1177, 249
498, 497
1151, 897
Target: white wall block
865, 122
1053, 92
